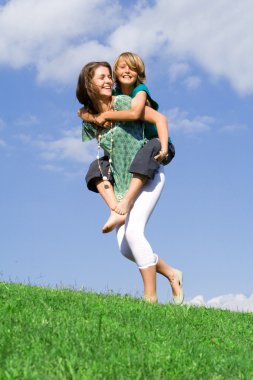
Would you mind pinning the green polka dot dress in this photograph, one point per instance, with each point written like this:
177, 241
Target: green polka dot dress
128, 138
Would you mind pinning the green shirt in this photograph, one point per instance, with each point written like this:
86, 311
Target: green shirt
128, 138
150, 129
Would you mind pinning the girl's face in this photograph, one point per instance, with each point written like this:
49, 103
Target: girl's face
125, 75
103, 81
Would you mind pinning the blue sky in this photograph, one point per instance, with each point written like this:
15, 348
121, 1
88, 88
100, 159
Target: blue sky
198, 60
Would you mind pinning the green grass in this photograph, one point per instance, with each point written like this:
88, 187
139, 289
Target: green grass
66, 334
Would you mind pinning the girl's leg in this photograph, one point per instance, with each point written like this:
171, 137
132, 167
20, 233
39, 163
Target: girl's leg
143, 167
135, 186
105, 189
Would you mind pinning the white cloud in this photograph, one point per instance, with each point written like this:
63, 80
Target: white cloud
192, 82
39, 31
69, 148
235, 302
177, 70
52, 168
27, 120
70, 60
58, 37
179, 120
231, 128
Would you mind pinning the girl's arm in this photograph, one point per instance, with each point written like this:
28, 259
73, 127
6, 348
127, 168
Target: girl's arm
135, 113
161, 122
90, 118
86, 116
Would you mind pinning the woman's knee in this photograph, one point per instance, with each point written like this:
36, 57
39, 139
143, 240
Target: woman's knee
126, 251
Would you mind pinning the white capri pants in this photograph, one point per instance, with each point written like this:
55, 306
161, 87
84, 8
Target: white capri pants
131, 239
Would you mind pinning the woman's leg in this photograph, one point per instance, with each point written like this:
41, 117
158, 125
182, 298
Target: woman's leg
149, 283
144, 256
167, 271
135, 224
149, 280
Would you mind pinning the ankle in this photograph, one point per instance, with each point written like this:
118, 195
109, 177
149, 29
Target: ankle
150, 299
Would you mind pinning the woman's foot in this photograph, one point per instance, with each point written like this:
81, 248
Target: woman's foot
114, 220
176, 282
150, 299
123, 207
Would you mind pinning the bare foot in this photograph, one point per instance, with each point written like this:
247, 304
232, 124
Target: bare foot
150, 299
113, 221
123, 207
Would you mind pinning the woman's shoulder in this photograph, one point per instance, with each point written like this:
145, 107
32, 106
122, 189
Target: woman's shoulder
88, 131
122, 102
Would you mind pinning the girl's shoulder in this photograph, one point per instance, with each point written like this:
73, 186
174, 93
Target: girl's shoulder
143, 87
138, 88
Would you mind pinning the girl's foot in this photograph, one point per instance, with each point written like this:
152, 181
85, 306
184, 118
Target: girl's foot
114, 220
123, 207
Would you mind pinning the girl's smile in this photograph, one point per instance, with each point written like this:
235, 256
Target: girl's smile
125, 75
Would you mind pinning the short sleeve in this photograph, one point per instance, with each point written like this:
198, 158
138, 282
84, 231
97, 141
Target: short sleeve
122, 102
143, 87
88, 131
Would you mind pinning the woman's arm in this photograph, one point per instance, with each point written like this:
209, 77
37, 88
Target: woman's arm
161, 122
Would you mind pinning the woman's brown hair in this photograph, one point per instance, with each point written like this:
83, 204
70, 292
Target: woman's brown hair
85, 90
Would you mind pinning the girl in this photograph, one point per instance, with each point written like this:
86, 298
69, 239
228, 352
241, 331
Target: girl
129, 71
123, 140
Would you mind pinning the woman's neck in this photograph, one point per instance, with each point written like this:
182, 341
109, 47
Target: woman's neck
105, 104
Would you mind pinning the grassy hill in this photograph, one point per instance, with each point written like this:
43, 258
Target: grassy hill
65, 334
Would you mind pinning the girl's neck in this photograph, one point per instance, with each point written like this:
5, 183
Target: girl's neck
126, 90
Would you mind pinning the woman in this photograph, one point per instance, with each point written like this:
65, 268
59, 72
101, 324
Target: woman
129, 76
122, 141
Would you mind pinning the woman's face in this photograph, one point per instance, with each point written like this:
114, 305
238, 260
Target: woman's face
125, 75
103, 81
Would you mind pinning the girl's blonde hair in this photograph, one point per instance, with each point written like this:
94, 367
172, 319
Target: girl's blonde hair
134, 62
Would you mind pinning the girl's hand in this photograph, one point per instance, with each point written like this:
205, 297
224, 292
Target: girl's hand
100, 119
81, 112
107, 124
161, 155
